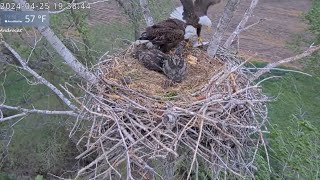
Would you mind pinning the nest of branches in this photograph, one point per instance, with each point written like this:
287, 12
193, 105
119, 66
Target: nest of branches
141, 129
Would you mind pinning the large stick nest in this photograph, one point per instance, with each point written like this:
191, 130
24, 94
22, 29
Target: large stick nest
140, 129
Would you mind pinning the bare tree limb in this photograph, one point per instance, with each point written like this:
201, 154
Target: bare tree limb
266, 69
251, 25
63, 51
222, 26
33, 111
283, 70
146, 12
242, 24
68, 57
3, 119
40, 78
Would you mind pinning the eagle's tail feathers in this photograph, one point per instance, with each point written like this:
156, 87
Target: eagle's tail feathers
177, 14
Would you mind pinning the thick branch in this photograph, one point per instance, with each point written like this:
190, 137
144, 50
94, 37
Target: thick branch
146, 12
24, 65
68, 57
64, 52
222, 26
33, 111
266, 69
241, 25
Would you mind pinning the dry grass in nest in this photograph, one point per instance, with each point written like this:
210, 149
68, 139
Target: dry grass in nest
214, 120
153, 83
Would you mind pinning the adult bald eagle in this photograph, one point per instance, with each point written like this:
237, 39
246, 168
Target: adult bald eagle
167, 34
184, 23
194, 14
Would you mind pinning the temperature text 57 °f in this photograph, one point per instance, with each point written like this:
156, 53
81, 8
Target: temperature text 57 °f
31, 17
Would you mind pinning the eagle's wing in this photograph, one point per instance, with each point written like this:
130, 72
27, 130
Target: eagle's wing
168, 39
166, 34
201, 6
170, 23
189, 14
167, 31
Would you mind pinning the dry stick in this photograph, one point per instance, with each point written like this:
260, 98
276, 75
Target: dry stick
256, 23
122, 132
63, 51
196, 150
106, 157
34, 111
265, 149
40, 78
266, 69
242, 23
146, 12
284, 70
12, 117
97, 160
222, 26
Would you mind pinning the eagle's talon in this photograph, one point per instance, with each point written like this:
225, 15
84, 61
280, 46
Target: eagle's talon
200, 40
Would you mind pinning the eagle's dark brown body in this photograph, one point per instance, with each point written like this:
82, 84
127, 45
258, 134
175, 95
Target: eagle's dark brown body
166, 34
173, 66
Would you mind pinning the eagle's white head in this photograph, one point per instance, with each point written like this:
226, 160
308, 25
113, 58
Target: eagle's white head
205, 21
189, 32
